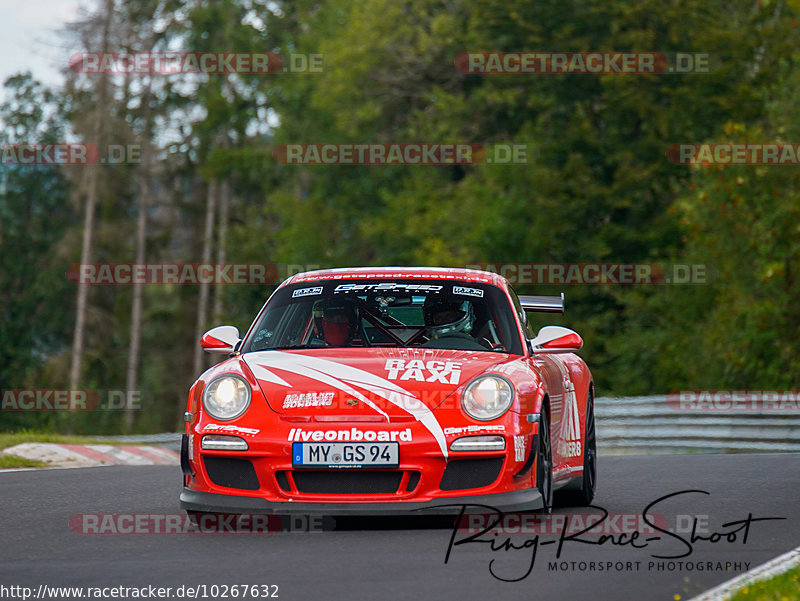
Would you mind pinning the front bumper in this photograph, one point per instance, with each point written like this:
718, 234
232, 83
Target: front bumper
516, 501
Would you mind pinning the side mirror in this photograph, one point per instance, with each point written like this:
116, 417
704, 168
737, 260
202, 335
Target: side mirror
555, 339
222, 340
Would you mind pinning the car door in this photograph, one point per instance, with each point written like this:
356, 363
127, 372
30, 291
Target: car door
560, 392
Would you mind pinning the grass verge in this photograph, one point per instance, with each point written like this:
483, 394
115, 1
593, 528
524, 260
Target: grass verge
783, 587
8, 462
9, 439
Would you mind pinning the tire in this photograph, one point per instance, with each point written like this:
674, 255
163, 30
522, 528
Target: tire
544, 463
585, 494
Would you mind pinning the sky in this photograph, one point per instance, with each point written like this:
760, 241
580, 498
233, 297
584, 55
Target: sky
29, 40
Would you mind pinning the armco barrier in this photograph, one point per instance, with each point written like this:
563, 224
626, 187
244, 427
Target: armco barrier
648, 424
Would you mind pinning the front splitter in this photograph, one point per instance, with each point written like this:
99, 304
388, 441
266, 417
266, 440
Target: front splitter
517, 501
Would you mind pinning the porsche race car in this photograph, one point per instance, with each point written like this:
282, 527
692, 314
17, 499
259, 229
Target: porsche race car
388, 391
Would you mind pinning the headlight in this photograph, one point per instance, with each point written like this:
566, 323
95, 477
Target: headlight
227, 397
487, 397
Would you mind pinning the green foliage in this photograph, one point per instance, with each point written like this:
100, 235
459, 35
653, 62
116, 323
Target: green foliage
783, 587
8, 462
596, 187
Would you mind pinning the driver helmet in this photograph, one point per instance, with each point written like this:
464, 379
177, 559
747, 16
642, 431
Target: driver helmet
336, 319
447, 316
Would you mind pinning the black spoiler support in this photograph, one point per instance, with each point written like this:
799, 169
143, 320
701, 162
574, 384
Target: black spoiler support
543, 304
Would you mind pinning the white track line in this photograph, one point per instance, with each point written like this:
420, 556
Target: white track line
774, 567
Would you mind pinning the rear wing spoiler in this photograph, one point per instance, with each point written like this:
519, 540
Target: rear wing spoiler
543, 304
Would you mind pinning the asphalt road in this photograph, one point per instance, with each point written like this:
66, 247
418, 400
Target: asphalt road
402, 559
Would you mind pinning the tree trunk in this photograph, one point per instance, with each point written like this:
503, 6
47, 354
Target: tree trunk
88, 218
224, 204
132, 380
202, 303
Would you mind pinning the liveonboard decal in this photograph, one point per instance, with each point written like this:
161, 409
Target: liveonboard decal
344, 377
351, 435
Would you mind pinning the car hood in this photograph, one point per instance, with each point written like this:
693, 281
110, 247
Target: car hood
379, 383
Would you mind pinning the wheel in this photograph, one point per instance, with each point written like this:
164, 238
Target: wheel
585, 494
544, 463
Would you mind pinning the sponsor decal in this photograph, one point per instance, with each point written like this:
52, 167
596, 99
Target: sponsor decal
307, 399
231, 429
351, 402
474, 430
569, 444
519, 448
307, 291
463, 290
351, 435
446, 372
388, 286
569, 448
346, 378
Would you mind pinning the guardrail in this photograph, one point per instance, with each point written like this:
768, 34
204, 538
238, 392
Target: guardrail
648, 425
170, 440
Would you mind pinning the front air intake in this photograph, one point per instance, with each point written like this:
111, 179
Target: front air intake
344, 482
231, 472
461, 474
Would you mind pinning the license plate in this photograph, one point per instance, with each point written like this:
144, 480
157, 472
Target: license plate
345, 454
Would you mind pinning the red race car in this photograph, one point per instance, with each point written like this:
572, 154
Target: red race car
390, 390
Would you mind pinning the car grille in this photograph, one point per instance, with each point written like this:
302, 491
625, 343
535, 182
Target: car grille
231, 472
462, 474
345, 482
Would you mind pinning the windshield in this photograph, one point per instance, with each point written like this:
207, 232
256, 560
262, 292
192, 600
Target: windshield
439, 314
